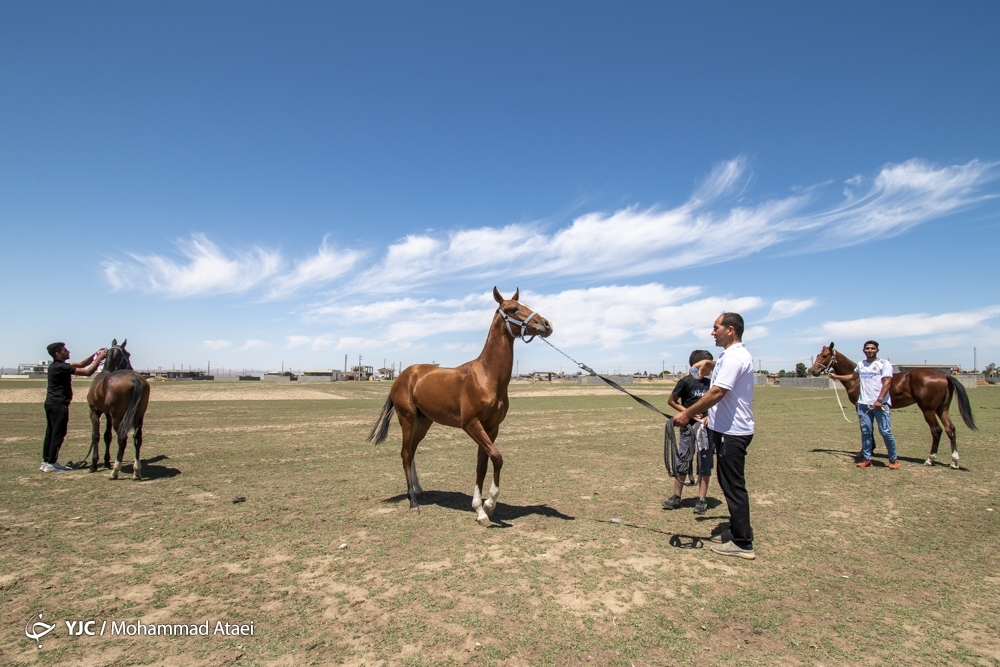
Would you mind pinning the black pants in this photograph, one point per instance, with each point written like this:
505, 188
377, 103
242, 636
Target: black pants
56, 422
731, 452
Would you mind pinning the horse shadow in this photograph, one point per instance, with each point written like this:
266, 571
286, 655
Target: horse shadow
462, 502
150, 471
879, 459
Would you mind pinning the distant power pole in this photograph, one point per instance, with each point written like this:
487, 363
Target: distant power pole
975, 362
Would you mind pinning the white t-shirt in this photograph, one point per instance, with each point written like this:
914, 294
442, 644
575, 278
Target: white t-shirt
734, 371
871, 375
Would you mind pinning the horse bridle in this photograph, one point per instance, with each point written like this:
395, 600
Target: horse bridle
124, 364
833, 361
523, 324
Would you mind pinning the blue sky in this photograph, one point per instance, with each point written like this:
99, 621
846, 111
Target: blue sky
254, 184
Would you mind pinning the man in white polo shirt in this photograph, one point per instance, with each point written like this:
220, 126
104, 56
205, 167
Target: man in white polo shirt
729, 405
874, 402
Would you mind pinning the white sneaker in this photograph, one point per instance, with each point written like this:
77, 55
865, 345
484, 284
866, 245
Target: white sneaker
47, 467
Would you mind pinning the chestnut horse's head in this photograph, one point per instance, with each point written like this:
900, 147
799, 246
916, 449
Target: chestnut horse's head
118, 358
825, 360
521, 320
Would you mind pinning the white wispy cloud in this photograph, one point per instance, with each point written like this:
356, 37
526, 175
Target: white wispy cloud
254, 344
908, 325
608, 317
322, 268
202, 269
706, 229
216, 344
712, 226
785, 308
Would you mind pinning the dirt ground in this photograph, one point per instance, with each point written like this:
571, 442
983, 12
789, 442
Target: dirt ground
264, 504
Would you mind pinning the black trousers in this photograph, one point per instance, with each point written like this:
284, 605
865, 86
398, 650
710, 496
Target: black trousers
731, 452
56, 422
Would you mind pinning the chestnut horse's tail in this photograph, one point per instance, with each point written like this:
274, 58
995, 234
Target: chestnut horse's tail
381, 427
964, 408
128, 421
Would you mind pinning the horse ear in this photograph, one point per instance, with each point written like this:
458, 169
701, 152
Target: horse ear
124, 343
114, 341
831, 344
496, 295
517, 293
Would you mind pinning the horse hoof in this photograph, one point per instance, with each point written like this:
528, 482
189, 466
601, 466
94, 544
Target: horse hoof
488, 507
414, 506
483, 521
928, 462
113, 475
955, 466
93, 469
137, 478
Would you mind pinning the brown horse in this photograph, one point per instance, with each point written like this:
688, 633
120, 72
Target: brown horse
472, 397
931, 391
121, 394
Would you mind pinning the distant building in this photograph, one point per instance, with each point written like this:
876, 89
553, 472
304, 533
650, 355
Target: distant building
329, 375
177, 375
37, 371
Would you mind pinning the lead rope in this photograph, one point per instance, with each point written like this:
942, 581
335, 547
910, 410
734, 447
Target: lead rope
837, 394
669, 437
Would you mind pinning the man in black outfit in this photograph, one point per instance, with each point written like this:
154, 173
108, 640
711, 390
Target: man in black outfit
686, 393
57, 400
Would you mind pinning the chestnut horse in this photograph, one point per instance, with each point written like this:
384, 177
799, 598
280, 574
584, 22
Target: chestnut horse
472, 397
121, 394
931, 391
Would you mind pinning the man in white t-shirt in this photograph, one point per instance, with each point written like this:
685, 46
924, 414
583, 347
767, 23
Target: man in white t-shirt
728, 404
874, 403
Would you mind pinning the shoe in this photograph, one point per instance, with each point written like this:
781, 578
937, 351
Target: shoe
700, 506
730, 549
47, 467
894, 465
59, 468
672, 503
865, 464
720, 538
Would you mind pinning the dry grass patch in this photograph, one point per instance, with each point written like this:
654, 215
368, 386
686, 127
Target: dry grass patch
854, 566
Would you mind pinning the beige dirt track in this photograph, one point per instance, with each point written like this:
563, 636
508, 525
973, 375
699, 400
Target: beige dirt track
854, 567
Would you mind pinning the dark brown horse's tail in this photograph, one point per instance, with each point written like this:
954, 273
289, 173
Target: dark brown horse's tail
128, 421
964, 408
381, 427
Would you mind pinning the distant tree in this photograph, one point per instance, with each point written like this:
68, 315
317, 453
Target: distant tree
782, 373
764, 372
800, 369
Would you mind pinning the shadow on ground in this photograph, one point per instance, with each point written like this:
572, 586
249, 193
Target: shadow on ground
879, 459
462, 502
151, 471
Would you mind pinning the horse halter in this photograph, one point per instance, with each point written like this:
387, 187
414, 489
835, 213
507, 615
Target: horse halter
123, 363
524, 325
832, 362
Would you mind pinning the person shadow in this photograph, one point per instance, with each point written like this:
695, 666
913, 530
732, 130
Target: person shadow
462, 502
880, 459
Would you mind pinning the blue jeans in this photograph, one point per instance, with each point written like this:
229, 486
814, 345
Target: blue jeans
881, 417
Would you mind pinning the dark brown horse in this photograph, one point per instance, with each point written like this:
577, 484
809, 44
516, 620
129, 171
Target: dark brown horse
121, 394
931, 391
472, 397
